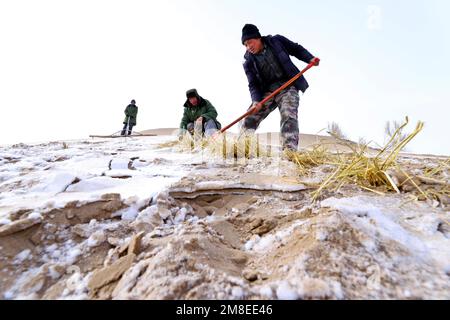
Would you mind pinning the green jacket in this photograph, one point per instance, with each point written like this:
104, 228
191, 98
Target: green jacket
204, 109
131, 111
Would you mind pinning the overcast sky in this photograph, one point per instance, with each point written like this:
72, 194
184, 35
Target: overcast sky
69, 68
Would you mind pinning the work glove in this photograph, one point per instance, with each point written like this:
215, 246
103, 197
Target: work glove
315, 61
199, 120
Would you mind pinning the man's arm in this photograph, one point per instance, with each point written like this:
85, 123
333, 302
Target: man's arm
296, 50
253, 85
184, 120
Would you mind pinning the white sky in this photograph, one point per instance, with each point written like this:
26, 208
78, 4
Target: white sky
69, 68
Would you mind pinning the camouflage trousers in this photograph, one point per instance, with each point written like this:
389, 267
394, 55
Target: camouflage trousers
287, 102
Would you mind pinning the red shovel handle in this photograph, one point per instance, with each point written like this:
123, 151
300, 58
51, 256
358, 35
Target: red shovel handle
314, 62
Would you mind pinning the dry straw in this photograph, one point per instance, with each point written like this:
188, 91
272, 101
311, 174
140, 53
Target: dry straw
378, 171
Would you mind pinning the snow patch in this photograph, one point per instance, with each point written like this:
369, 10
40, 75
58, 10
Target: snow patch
237, 293
22, 256
263, 244
4, 221
266, 291
286, 292
96, 239
35, 216
55, 182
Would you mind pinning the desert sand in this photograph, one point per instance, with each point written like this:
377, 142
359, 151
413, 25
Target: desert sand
140, 218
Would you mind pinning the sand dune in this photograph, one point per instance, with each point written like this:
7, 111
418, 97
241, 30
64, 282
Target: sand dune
306, 140
160, 131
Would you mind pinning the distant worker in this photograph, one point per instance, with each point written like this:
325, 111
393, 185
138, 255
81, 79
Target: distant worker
199, 111
131, 112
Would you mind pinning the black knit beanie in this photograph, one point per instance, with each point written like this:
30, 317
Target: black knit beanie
250, 31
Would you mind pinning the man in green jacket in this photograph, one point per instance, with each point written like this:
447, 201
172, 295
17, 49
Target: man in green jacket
130, 117
199, 111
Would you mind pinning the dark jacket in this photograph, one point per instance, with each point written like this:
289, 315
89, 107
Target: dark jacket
282, 49
131, 112
204, 109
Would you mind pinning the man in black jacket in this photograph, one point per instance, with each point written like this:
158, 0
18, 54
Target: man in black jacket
268, 66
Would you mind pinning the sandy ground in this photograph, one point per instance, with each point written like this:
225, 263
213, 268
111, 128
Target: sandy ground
307, 141
273, 138
146, 220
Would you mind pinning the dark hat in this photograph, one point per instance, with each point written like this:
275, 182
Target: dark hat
191, 93
133, 101
250, 31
